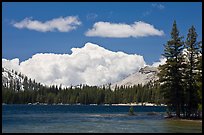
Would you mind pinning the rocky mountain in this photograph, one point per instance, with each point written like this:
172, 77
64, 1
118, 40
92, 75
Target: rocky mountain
11, 77
143, 76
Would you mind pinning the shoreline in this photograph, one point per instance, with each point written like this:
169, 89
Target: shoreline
127, 104
185, 120
139, 104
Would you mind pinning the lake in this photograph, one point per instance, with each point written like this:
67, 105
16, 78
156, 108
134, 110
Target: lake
91, 119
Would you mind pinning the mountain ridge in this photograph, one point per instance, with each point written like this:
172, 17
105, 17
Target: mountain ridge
143, 76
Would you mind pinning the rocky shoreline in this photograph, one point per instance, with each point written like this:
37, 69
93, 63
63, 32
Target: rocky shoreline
184, 119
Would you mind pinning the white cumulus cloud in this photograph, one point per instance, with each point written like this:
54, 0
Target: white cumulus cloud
158, 5
121, 30
161, 61
61, 24
91, 64
11, 64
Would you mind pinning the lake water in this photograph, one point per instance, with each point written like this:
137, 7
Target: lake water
90, 119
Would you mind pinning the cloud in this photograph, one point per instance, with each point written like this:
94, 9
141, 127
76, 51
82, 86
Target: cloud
159, 6
91, 64
11, 64
121, 30
91, 16
146, 13
162, 61
60, 24
153, 7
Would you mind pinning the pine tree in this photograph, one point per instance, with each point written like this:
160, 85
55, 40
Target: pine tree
199, 80
191, 45
170, 74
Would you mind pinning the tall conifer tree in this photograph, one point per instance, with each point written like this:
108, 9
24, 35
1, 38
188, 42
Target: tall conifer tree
192, 70
171, 73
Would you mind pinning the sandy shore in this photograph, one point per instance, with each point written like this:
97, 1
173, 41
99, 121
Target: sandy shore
138, 104
128, 104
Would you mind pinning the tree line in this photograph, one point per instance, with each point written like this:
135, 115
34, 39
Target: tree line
35, 92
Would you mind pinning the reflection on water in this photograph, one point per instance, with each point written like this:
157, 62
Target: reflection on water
76, 120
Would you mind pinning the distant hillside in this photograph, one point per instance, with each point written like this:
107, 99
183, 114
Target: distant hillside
143, 76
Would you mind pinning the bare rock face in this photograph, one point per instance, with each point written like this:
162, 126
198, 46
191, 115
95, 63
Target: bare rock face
148, 69
13, 77
143, 76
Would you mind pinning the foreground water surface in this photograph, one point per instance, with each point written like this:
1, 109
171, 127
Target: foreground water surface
87, 119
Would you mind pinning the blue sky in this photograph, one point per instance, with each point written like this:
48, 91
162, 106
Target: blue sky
23, 43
